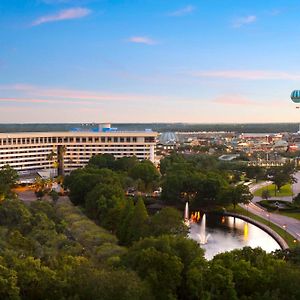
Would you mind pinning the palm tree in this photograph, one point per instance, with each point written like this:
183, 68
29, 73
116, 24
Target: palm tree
50, 157
61, 150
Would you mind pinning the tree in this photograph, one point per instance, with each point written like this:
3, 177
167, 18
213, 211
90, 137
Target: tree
137, 226
235, 195
146, 172
102, 161
123, 230
104, 203
156, 265
265, 194
14, 214
166, 221
281, 176
8, 178
8, 284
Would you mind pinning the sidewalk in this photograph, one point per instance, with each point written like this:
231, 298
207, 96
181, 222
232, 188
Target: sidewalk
291, 225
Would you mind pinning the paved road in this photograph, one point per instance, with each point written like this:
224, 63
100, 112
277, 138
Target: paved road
291, 225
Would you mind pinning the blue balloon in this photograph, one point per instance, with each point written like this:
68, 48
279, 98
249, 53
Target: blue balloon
295, 96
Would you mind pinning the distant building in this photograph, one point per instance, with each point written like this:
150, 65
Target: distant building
40, 150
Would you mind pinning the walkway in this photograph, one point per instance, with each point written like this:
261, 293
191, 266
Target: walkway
291, 225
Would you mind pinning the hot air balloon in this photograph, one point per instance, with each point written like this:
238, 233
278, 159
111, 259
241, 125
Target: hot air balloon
295, 96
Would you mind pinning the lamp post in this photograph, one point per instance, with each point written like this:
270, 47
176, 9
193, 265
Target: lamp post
269, 217
284, 227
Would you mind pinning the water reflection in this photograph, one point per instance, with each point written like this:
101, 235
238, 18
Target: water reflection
228, 233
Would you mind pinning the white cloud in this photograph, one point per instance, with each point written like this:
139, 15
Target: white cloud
247, 75
67, 14
239, 22
183, 11
142, 40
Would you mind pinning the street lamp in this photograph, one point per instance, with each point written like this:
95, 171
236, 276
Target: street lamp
284, 227
268, 216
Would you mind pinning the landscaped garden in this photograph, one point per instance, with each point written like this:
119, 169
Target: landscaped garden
284, 191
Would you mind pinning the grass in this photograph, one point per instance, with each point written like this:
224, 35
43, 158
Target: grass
285, 191
295, 215
292, 210
285, 235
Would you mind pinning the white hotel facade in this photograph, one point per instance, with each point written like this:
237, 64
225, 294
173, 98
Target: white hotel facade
32, 151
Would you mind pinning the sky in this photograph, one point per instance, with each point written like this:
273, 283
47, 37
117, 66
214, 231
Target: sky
197, 61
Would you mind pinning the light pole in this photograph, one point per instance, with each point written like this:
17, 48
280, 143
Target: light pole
269, 217
284, 227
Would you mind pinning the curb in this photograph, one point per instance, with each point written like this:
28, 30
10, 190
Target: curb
282, 243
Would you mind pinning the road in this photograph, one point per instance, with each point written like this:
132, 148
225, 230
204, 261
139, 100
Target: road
291, 225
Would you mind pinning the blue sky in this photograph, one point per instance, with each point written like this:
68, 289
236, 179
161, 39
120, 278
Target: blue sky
203, 61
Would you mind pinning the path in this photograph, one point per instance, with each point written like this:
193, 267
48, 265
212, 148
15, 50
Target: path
291, 225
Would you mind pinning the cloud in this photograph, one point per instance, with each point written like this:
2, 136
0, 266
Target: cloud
55, 1
42, 94
247, 75
239, 22
233, 100
142, 40
183, 11
67, 14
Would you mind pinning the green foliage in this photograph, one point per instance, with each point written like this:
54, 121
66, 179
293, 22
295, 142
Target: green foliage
8, 284
14, 214
147, 173
8, 178
102, 161
265, 194
282, 175
123, 230
137, 224
166, 221
236, 194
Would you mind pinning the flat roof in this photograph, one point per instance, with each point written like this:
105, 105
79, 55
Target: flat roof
78, 133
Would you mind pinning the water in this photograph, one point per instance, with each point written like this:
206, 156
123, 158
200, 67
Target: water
228, 233
186, 215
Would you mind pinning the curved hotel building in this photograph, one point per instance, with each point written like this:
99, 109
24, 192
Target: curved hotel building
40, 150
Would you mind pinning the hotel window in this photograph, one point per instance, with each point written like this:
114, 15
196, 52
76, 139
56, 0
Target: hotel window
115, 139
77, 140
65, 140
96, 140
90, 139
122, 140
134, 140
37, 140
103, 140
109, 139
128, 139
84, 140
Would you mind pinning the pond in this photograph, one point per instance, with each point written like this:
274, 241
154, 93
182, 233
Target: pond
217, 234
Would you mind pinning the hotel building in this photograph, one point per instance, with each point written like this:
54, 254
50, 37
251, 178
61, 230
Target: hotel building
40, 150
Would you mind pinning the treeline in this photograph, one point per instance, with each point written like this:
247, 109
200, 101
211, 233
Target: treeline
100, 189
44, 254
160, 127
199, 180
53, 251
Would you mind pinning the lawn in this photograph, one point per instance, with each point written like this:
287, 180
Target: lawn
286, 190
295, 215
286, 236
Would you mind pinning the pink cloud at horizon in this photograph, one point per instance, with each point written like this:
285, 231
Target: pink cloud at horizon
247, 75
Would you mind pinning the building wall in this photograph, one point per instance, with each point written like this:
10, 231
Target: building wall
30, 151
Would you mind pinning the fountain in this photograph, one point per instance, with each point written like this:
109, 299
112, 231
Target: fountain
203, 237
186, 215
